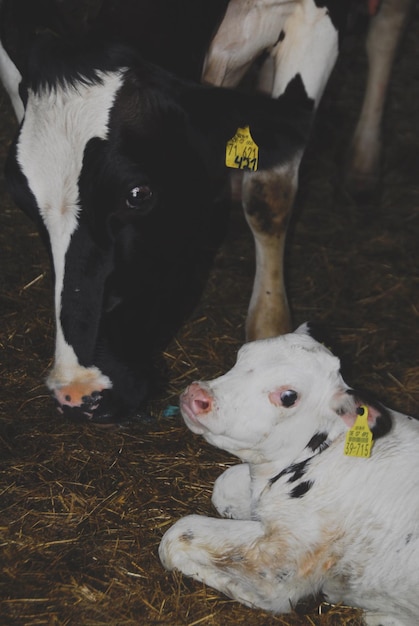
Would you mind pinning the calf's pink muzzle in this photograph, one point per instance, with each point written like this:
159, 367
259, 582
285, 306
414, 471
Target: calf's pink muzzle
195, 401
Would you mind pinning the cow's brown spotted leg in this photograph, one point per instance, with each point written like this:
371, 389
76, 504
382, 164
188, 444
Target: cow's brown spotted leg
267, 198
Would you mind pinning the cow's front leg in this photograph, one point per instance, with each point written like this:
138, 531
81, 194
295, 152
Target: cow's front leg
231, 495
267, 198
231, 556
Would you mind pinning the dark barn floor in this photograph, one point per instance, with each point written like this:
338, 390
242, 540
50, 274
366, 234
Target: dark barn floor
83, 510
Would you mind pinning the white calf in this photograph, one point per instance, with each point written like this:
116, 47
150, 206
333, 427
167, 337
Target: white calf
299, 39
307, 514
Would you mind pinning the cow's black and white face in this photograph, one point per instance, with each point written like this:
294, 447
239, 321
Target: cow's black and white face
120, 163
106, 165
50, 150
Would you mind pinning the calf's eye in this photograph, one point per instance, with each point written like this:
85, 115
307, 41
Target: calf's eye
283, 396
288, 398
137, 196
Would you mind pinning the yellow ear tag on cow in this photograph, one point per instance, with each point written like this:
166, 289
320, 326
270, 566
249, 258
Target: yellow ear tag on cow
241, 151
359, 438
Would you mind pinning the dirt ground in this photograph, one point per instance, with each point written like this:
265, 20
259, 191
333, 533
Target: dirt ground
83, 509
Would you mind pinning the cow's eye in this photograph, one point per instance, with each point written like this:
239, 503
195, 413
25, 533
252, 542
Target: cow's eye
137, 196
289, 398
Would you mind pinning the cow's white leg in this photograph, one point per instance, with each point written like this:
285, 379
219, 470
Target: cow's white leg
234, 557
10, 77
267, 198
231, 495
382, 40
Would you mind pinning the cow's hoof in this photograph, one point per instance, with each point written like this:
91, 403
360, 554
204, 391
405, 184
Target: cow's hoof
363, 189
362, 182
101, 409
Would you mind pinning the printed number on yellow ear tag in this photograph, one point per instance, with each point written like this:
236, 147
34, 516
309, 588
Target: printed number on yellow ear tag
241, 151
359, 438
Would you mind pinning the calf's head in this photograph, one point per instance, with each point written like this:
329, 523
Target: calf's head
282, 395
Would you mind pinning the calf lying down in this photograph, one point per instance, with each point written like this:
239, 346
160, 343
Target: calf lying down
311, 508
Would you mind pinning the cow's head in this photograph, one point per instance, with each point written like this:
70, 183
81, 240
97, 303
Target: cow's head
282, 395
120, 163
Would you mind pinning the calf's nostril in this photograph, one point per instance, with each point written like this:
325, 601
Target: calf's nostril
202, 405
196, 399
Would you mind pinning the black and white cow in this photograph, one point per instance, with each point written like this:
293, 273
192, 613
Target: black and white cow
312, 507
119, 162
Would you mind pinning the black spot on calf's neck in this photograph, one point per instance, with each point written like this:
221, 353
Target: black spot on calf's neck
318, 442
301, 489
295, 471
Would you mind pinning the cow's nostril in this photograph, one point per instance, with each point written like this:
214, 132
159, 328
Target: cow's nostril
203, 405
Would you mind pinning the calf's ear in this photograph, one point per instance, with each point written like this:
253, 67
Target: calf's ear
319, 332
303, 329
379, 418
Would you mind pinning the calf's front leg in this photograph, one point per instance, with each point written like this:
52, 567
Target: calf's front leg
231, 495
234, 557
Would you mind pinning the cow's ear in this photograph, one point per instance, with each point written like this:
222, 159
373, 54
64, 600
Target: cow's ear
379, 418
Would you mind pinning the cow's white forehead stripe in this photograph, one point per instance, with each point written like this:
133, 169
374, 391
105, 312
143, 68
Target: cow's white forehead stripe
56, 128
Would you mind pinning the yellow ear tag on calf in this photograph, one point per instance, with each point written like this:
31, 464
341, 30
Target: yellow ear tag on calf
241, 151
359, 438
